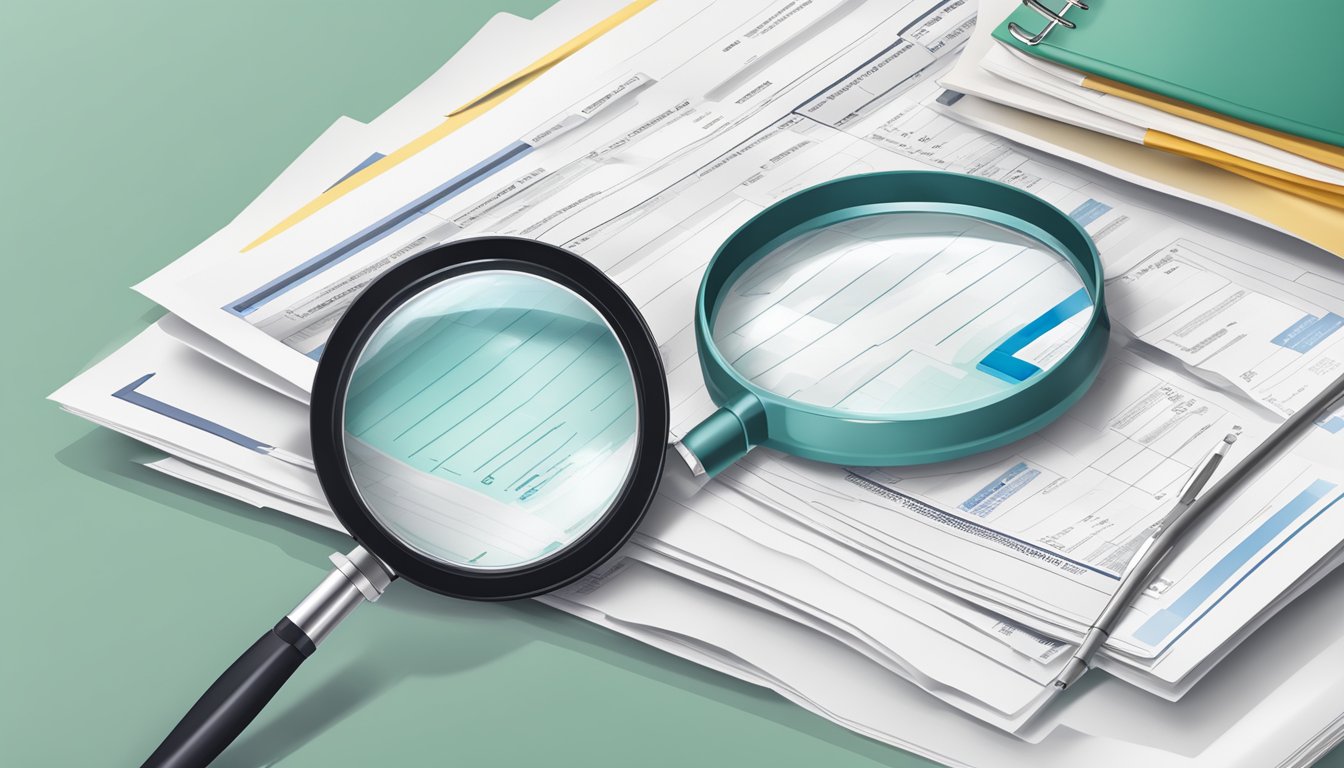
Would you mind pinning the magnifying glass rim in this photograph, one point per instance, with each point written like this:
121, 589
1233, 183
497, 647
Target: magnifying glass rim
410, 279
1011, 223
827, 434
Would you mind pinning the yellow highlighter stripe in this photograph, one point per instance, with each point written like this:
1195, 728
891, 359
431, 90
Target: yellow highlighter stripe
1311, 189
456, 119
1327, 154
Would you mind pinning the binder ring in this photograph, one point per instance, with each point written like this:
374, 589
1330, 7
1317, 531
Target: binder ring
1053, 19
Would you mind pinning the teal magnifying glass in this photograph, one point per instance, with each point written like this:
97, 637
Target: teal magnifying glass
893, 319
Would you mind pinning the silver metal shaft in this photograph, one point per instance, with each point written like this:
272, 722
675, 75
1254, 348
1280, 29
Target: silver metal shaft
358, 576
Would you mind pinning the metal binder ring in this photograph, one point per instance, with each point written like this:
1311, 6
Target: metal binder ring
1055, 19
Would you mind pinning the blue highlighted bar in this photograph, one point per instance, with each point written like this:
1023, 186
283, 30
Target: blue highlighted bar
1001, 361
987, 499
1308, 332
365, 163
1332, 424
1089, 212
130, 394
1002, 365
380, 229
1161, 624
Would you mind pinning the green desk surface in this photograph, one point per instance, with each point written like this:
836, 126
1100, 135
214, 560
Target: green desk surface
131, 131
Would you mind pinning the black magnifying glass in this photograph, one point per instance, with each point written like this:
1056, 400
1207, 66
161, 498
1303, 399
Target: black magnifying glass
489, 422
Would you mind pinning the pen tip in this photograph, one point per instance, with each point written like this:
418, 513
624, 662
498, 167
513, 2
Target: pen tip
1230, 439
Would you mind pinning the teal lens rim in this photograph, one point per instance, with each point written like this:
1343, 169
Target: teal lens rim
751, 416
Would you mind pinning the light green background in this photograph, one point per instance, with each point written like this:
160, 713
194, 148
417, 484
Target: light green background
131, 131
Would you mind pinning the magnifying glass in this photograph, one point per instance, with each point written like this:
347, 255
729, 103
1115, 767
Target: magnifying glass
894, 319
489, 419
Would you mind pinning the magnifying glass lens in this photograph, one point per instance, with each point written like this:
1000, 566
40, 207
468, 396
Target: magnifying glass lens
491, 420
901, 314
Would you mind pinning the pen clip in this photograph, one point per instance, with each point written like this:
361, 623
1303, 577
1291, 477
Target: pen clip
1200, 477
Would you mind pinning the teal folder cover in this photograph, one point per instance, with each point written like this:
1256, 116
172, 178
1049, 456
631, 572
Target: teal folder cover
1276, 65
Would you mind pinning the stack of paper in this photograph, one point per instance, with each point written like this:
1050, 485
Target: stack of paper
1308, 176
1196, 94
930, 607
1045, 106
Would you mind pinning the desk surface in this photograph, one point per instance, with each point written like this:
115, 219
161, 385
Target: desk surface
132, 131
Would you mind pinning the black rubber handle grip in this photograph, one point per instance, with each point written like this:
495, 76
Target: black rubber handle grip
234, 700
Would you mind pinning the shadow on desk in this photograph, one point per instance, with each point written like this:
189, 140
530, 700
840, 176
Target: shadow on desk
471, 631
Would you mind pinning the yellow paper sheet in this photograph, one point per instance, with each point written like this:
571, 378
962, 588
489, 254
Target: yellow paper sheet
1312, 150
1316, 223
1322, 192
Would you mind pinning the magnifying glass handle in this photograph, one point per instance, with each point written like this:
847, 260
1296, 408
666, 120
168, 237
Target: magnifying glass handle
727, 435
239, 695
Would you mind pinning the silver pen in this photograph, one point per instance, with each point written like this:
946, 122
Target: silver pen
1189, 507
1161, 540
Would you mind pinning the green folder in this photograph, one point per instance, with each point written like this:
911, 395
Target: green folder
1279, 65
